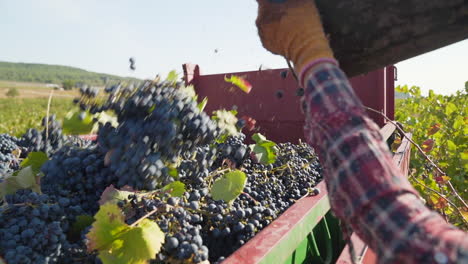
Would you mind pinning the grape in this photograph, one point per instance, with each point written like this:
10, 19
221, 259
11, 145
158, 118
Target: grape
48, 140
8, 161
78, 174
279, 94
32, 228
233, 150
148, 138
284, 74
300, 92
161, 136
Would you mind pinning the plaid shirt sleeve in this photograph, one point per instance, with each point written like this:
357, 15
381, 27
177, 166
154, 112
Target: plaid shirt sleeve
367, 190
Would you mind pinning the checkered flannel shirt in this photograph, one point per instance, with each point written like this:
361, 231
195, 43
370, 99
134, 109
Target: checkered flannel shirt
367, 190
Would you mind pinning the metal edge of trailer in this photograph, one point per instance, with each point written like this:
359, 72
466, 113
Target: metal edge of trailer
277, 241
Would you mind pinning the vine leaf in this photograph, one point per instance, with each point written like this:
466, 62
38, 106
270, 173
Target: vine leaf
78, 123
451, 145
464, 211
176, 188
172, 77
433, 129
117, 242
22, 179
240, 82
202, 104
229, 186
450, 108
264, 150
427, 145
35, 160
114, 195
442, 179
173, 172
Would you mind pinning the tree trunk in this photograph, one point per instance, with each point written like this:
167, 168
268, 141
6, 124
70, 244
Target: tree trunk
370, 34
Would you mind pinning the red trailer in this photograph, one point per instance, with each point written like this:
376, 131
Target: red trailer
307, 232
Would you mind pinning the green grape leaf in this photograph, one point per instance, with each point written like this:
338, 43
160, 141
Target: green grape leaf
35, 160
240, 82
226, 122
80, 224
202, 104
114, 195
451, 145
464, 155
229, 186
106, 117
450, 108
23, 179
176, 189
117, 242
173, 171
402, 89
109, 223
263, 149
78, 123
172, 77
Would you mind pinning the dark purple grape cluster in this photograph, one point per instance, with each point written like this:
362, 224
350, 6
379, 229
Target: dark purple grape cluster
49, 140
233, 151
195, 225
78, 174
195, 168
32, 229
8, 161
158, 123
161, 136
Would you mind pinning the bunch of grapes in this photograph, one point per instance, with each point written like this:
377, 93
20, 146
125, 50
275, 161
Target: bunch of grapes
49, 140
32, 228
158, 123
233, 151
161, 135
8, 160
78, 174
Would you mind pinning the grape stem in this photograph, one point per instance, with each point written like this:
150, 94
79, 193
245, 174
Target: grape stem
441, 172
144, 217
47, 115
251, 198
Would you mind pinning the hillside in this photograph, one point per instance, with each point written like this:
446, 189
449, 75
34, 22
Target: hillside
44, 73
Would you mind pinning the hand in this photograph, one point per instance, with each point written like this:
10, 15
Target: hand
292, 28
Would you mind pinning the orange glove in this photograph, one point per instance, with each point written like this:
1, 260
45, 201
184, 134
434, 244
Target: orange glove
292, 28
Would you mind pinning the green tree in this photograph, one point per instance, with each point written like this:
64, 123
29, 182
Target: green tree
12, 92
68, 84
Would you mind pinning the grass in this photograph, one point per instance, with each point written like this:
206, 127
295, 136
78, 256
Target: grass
17, 115
33, 90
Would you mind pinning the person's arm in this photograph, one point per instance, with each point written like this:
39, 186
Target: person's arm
366, 189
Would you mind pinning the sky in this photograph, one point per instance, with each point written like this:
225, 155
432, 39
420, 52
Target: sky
218, 35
